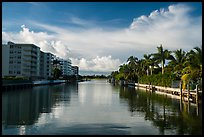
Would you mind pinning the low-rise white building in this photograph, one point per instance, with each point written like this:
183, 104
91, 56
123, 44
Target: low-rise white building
20, 60
65, 66
5, 60
75, 70
46, 65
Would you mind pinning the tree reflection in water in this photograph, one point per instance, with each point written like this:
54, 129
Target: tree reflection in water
169, 115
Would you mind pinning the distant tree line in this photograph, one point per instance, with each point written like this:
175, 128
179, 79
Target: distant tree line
94, 77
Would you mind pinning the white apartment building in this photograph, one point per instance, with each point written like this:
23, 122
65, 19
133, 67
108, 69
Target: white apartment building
5, 59
46, 65
75, 70
69, 67
20, 60
65, 66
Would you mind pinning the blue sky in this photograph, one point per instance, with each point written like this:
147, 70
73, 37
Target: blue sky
113, 14
98, 36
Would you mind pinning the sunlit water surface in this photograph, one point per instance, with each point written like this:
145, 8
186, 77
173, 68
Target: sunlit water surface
96, 107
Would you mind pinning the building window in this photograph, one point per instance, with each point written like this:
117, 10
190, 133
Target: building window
11, 52
10, 72
11, 46
18, 72
11, 62
19, 57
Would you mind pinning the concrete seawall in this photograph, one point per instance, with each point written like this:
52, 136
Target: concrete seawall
47, 82
186, 95
21, 84
194, 96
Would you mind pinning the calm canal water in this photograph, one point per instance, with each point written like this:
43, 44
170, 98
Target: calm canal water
96, 107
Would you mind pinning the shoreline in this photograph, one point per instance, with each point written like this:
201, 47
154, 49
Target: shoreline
8, 85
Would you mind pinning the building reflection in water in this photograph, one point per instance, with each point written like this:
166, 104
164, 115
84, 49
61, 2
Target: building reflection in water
165, 113
22, 130
23, 107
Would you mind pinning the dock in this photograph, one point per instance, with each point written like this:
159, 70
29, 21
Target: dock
185, 95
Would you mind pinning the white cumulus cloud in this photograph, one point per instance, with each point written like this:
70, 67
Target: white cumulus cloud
99, 49
100, 64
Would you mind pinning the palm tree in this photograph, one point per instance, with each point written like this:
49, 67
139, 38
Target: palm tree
149, 63
161, 56
196, 57
114, 74
57, 73
142, 67
124, 71
132, 61
193, 66
132, 66
177, 61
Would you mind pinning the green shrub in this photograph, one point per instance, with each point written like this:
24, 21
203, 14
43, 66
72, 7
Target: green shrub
119, 76
164, 80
